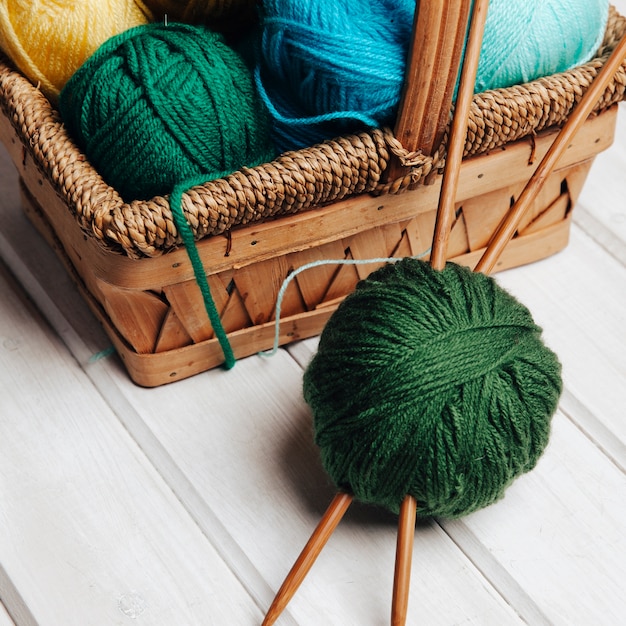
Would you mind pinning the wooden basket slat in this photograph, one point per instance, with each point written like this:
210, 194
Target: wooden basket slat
458, 242
258, 287
314, 285
414, 241
553, 191
575, 179
367, 244
172, 334
151, 306
484, 213
138, 314
344, 280
186, 301
235, 315
553, 215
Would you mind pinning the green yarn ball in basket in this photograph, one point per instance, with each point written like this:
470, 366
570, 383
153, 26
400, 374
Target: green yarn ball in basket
435, 384
162, 104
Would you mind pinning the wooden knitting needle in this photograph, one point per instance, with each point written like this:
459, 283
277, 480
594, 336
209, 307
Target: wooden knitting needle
445, 213
439, 30
404, 552
510, 223
458, 134
341, 502
309, 554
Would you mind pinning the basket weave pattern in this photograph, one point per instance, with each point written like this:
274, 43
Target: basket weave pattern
295, 181
328, 202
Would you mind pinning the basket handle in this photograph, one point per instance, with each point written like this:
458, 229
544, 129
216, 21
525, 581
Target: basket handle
439, 29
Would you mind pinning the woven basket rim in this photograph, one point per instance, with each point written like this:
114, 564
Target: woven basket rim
294, 181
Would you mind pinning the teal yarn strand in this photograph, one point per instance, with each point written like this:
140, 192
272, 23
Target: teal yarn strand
160, 104
431, 383
307, 266
327, 68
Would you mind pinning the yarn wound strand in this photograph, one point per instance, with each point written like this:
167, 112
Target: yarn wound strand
435, 384
49, 40
329, 68
160, 104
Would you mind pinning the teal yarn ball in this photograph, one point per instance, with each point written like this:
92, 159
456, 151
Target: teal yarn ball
431, 383
327, 68
162, 104
525, 40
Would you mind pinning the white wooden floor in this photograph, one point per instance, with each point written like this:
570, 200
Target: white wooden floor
187, 504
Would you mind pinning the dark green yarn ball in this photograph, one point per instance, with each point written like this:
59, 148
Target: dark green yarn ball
159, 105
431, 383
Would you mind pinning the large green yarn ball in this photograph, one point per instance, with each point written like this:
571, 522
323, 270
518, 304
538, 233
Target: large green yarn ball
162, 104
431, 383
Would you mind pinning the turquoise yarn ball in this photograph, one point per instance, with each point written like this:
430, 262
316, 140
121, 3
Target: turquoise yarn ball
162, 104
526, 40
431, 383
327, 68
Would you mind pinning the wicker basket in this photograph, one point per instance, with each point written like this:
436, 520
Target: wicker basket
254, 227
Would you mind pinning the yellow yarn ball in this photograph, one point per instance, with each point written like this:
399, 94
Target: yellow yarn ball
48, 40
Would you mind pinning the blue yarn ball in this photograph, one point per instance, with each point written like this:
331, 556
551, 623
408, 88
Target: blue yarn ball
327, 68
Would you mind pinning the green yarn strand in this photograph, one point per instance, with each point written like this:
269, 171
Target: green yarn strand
176, 202
431, 383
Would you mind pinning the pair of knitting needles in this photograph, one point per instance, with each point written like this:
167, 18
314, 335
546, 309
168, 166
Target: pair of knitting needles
445, 218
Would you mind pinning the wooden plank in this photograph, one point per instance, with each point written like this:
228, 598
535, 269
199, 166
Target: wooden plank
91, 532
558, 535
5, 618
577, 298
272, 490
